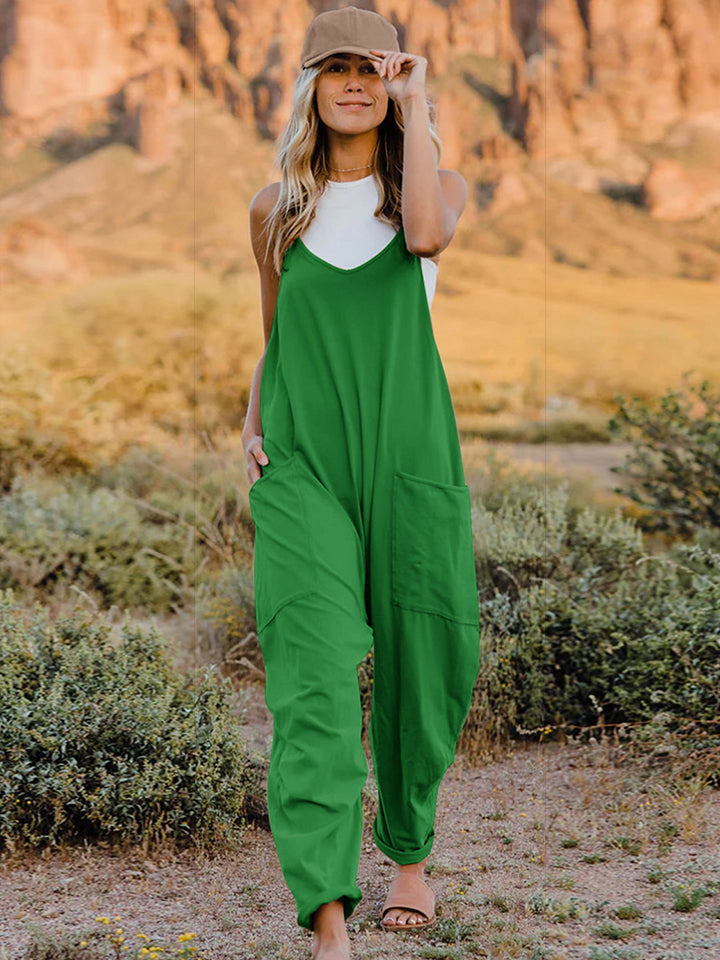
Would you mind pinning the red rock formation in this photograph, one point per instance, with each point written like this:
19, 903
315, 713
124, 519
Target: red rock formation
36, 251
152, 136
601, 70
589, 77
674, 193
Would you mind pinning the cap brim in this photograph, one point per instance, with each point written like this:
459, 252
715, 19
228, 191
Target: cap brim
363, 51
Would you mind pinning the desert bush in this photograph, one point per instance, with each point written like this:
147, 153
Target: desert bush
674, 468
227, 609
138, 534
59, 532
580, 625
102, 739
225, 624
582, 649
536, 534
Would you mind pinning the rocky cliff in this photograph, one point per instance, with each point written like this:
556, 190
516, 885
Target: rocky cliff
576, 87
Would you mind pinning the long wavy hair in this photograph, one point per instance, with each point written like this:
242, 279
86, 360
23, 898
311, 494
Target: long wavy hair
304, 160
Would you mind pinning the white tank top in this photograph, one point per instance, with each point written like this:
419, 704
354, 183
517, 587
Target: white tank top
344, 231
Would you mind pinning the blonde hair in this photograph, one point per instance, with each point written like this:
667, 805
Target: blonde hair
303, 157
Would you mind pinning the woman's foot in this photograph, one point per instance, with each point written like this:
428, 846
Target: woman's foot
330, 937
410, 917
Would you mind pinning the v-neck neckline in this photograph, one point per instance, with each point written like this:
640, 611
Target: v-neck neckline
347, 270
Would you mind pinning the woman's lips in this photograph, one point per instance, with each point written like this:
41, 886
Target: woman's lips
354, 106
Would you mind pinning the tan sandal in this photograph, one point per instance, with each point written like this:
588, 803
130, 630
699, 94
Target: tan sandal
409, 892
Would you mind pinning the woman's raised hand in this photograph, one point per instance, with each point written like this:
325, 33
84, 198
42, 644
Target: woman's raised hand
254, 457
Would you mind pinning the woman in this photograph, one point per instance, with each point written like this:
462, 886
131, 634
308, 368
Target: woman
361, 511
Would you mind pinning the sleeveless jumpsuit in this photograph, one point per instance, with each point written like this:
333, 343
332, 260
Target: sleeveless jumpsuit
362, 535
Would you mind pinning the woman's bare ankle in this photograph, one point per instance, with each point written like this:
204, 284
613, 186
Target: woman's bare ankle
328, 924
330, 937
417, 868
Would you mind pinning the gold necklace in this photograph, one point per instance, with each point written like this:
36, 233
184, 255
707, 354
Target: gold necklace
348, 169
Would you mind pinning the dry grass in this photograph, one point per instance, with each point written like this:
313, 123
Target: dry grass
148, 358
521, 332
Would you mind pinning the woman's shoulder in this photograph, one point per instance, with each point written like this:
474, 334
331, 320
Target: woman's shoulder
264, 200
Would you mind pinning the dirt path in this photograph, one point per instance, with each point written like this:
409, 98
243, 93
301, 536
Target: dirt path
589, 460
532, 855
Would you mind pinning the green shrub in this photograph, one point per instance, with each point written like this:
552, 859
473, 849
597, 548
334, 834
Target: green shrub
674, 467
225, 611
104, 740
206, 497
57, 532
142, 533
534, 534
613, 931
688, 897
576, 649
628, 911
579, 624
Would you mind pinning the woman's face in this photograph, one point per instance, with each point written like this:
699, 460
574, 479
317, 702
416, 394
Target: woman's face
346, 77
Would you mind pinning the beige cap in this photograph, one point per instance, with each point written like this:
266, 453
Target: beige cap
347, 30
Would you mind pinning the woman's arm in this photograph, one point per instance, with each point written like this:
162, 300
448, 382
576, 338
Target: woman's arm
432, 199
252, 426
252, 435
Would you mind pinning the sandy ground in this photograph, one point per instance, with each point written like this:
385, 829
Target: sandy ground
507, 880
590, 459
588, 462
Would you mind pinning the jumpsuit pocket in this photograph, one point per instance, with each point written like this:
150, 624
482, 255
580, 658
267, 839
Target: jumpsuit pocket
281, 571
433, 562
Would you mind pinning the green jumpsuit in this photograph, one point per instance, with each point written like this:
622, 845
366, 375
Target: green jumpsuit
362, 535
